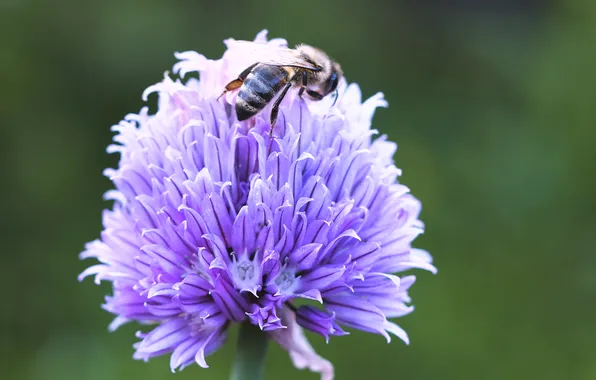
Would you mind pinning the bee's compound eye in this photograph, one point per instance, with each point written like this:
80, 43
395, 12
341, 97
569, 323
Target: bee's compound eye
333, 81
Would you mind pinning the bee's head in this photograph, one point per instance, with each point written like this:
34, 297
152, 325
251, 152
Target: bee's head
323, 81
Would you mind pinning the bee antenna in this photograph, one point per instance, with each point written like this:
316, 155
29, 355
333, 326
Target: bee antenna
336, 96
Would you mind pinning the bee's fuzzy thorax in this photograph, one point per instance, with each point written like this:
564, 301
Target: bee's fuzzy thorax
320, 59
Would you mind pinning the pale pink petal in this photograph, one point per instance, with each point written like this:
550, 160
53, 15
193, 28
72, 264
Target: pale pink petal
301, 352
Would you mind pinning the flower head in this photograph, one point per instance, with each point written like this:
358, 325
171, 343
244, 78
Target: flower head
217, 221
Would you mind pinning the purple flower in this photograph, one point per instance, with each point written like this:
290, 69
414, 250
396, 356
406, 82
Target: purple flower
217, 221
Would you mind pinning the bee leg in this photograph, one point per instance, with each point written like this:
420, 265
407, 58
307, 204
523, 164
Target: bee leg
275, 109
304, 83
315, 95
237, 83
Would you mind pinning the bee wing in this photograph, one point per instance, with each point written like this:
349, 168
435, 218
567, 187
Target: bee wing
272, 55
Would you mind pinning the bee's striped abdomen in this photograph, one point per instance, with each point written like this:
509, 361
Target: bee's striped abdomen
258, 89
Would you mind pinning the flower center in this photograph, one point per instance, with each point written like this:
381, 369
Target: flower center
286, 281
245, 270
246, 275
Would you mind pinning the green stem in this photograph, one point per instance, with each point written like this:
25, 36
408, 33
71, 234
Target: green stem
251, 351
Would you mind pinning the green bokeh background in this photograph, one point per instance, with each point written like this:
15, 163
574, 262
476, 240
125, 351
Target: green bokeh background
492, 104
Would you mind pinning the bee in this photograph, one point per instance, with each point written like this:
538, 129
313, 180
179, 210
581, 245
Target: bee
275, 71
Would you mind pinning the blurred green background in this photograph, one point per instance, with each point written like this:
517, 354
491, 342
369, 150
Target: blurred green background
492, 104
